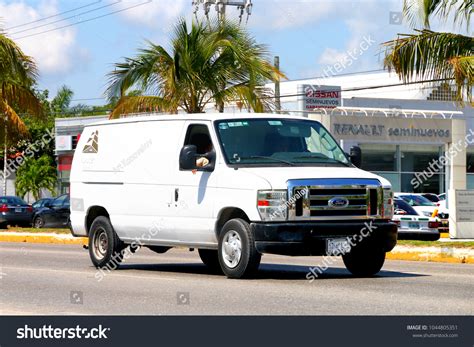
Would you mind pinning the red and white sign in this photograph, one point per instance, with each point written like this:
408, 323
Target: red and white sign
315, 97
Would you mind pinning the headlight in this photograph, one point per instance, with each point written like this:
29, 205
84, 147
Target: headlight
272, 204
387, 203
427, 213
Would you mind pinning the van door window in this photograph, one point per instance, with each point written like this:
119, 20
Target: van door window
199, 136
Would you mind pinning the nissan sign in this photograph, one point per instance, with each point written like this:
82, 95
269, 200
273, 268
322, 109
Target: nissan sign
313, 97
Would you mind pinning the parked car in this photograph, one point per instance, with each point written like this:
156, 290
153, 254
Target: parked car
233, 187
442, 197
14, 211
41, 203
431, 197
412, 226
420, 204
54, 214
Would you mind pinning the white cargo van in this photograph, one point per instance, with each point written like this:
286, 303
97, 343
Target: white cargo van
233, 187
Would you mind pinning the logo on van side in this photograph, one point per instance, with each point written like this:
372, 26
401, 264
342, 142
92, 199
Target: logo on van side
92, 145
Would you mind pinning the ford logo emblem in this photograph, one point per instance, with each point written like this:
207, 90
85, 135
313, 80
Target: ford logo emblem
338, 202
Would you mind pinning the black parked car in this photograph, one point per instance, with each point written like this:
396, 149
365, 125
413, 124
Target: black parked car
54, 214
14, 211
431, 197
41, 203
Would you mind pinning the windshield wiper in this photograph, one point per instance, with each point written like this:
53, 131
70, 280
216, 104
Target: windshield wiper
319, 156
270, 158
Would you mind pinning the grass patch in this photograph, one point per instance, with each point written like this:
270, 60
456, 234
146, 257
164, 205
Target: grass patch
39, 231
460, 244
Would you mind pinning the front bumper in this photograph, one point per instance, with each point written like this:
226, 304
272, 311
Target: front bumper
309, 238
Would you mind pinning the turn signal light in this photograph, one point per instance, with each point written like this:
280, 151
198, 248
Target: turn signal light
433, 225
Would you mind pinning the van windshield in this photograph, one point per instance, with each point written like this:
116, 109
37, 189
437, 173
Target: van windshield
279, 142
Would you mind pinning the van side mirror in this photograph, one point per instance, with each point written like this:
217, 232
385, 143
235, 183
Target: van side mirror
187, 158
356, 156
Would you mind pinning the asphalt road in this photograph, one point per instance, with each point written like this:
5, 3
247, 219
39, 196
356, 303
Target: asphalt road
55, 280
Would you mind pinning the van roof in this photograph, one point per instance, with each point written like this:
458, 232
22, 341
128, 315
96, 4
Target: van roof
198, 116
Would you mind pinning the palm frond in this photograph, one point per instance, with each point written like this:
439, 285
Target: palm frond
431, 55
140, 104
16, 129
419, 12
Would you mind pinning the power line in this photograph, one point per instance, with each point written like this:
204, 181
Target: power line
63, 19
55, 15
368, 88
86, 20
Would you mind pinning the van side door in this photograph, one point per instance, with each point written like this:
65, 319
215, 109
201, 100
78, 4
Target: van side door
195, 190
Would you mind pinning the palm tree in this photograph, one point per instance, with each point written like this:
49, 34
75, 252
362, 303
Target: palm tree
216, 62
35, 175
18, 74
431, 55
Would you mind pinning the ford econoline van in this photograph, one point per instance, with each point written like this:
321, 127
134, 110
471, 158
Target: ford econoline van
232, 187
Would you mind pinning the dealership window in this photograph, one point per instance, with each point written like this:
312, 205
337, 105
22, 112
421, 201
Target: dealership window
379, 157
470, 168
407, 167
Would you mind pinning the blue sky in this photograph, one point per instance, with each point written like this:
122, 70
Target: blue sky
310, 36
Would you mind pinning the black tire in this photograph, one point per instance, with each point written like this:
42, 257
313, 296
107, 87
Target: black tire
364, 262
249, 260
38, 222
210, 258
105, 248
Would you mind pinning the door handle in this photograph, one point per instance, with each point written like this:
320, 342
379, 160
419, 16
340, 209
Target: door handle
176, 195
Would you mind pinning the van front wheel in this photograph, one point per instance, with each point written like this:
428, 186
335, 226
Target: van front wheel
105, 248
210, 258
364, 262
238, 256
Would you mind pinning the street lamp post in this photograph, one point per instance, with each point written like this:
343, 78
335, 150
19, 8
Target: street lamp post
244, 6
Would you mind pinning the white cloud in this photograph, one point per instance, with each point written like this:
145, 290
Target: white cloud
286, 14
55, 51
154, 14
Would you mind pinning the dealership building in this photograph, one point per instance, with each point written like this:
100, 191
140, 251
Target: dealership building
414, 135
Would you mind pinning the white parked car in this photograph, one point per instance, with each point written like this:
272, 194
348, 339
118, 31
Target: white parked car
412, 226
420, 204
233, 187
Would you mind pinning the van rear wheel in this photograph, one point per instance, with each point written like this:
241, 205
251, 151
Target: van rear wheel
364, 262
105, 248
238, 256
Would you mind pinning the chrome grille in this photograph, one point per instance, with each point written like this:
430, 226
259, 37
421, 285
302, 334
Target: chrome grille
310, 199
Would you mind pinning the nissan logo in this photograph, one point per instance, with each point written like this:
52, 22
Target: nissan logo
338, 202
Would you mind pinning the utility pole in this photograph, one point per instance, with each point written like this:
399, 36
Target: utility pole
277, 86
244, 6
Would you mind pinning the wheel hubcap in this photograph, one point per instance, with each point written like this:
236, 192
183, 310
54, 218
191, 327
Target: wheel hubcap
101, 243
232, 249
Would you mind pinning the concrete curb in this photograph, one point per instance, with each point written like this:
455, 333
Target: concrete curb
433, 254
63, 239
428, 254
